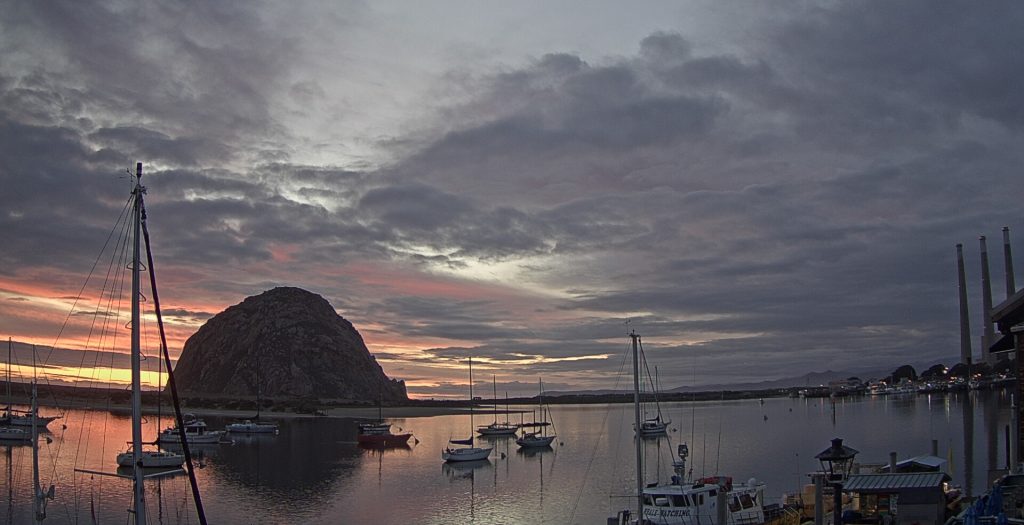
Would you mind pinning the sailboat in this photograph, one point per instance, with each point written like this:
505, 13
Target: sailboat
378, 433
469, 452
254, 426
495, 428
712, 500
654, 426
16, 418
136, 457
537, 438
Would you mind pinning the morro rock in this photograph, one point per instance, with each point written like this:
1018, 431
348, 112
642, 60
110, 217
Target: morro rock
286, 342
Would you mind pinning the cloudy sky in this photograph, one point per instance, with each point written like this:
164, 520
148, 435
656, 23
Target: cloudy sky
759, 189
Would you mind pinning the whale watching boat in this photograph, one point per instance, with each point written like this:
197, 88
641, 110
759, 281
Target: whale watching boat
689, 502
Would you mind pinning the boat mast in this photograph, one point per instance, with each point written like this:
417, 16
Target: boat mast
9, 345
494, 386
636, 417
139, 487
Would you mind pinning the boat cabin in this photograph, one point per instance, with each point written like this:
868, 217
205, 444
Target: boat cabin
900, 498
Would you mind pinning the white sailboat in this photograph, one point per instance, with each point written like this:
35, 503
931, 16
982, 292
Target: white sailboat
537, 438
653, 426
469, 452
196, 431
708, 501
496, 428
16, 418
253, 426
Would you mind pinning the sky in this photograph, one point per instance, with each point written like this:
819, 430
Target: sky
759, 189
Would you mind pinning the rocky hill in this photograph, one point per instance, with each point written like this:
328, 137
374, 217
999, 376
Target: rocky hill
301, 346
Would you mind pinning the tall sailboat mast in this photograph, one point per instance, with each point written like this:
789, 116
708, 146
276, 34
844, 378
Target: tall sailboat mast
636, 417
139, 487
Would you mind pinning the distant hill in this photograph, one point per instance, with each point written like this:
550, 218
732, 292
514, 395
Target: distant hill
286, 342
808, 379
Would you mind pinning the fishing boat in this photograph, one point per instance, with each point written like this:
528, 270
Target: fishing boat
253, 426
468, 452
496, 428
196, 431
537, 438
706, 501
20, 418
378, 433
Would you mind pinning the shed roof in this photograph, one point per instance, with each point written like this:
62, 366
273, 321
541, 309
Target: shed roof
893, 482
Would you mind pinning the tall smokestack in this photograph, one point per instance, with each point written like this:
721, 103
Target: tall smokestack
965, 318
1008, 263
988, 334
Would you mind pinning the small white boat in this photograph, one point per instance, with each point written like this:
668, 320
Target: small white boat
469, 453
252, 427
16, 419
654, 427
195, 431
453, 455
151, 459
496, 428
540, 438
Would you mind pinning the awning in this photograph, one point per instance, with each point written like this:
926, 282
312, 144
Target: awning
867, 483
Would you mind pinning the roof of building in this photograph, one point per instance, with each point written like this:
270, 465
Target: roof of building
894, 482
1010, 312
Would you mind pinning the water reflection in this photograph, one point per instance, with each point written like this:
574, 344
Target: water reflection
315, 472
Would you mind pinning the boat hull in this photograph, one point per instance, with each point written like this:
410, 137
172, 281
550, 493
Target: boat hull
383, 440
14, 434
174, 437
249, 427
150, 459
455, 455
26, 421
535, 442
499, 430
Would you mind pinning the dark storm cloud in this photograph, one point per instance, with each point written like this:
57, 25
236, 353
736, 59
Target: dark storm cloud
784, 205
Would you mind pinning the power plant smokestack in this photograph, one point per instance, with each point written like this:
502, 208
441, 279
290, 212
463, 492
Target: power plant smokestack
988, 334
965, 318
1008, 263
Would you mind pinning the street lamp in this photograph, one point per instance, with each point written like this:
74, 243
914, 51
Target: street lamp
836, 463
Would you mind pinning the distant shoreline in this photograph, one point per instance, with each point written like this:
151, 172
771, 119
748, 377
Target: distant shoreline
116, 399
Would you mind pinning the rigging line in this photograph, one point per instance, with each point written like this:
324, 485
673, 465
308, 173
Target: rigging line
597, 443
170, 370
109, 301
75, 303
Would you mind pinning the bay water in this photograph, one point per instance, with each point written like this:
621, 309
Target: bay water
315, 472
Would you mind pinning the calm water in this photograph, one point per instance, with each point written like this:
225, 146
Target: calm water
313, 472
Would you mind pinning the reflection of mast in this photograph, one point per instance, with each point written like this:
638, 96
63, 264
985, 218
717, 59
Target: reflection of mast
10, 484
40, 496
968, 424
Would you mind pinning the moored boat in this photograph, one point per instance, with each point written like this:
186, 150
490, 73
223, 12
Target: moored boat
195, 432
151, 459
705, 501
468, 452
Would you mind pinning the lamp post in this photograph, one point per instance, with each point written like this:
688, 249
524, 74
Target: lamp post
836, 463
